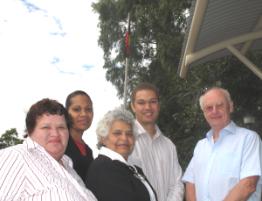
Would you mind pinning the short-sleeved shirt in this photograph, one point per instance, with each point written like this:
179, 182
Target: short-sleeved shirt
217, 167
28, 172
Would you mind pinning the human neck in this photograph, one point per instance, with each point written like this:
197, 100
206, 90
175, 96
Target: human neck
215, 135
150, 128
217, 130
76, 135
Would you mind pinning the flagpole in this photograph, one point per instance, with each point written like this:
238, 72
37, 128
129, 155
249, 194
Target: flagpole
126, 68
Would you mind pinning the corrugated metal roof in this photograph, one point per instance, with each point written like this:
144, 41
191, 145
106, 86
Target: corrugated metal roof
218, 28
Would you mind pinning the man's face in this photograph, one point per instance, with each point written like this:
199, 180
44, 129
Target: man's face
146, 107
217, 109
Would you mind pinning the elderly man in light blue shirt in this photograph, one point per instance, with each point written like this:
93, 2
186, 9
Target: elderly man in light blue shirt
226, 165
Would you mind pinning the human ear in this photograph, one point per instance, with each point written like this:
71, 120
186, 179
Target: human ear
231, 106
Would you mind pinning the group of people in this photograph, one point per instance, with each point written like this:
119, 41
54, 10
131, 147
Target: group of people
136, 161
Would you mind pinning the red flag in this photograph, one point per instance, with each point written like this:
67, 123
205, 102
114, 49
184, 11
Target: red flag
127, 43
128, 37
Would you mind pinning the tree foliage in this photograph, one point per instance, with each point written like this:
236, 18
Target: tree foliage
9, 138
150, 23
157, 34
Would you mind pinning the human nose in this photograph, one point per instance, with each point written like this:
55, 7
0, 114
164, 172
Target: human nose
148, 104
211, 109
214, 109
54, 131
83, 112
123, 136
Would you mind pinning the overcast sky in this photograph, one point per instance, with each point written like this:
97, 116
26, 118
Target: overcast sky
48, 48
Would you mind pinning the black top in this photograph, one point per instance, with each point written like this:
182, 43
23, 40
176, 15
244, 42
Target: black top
112, 180
80, 163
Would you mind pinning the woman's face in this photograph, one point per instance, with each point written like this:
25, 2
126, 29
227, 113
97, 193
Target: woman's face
51, 133
120, 138
81, 112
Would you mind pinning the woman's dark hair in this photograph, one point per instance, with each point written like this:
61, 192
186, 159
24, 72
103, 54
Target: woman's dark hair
72, 95
44, 106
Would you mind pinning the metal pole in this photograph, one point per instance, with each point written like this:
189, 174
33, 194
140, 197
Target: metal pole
126, 69
126, 80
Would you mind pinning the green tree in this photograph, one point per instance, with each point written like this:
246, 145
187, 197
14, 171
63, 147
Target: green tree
155, 39
9, 138
157, 34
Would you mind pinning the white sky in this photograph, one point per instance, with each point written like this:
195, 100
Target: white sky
48, 48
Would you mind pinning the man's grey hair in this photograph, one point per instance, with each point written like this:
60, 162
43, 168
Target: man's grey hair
224, 91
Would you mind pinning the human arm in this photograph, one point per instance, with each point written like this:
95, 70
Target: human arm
11, 174
111, 182
250, 170
190, 192
176, 188
243, 190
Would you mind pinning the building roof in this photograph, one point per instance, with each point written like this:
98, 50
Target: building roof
218, 28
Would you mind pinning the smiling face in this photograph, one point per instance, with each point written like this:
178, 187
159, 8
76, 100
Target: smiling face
81, 112
51, 133
217, 109
146, 107
120, 138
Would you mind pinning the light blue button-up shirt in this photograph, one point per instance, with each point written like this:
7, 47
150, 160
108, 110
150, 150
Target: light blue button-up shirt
217, 167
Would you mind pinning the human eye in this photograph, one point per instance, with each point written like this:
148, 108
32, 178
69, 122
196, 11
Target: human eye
141, 102
89, 110
220, 106
208, 108
62, 127
117, 132
129, 133
76, 109
153, 101
45, 127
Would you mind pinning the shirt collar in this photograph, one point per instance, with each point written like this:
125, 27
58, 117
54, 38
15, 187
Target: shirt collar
229, 129
139, 130
112, 154
33, 145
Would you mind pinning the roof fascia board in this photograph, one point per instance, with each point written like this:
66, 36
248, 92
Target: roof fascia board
195, 25
248, 44
246, 61
190, 58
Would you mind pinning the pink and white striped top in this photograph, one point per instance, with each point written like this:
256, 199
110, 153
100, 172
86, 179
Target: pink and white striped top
28, 172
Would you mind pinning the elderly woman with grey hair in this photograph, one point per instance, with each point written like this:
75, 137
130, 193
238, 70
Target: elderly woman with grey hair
110, 177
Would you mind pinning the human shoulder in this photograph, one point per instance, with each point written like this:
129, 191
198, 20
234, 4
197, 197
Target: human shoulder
164, 139
247, 134
67, 161
200, 145
139, 170
98, 170
104, 170
100, 163
18, 150
14, 155
167, 140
